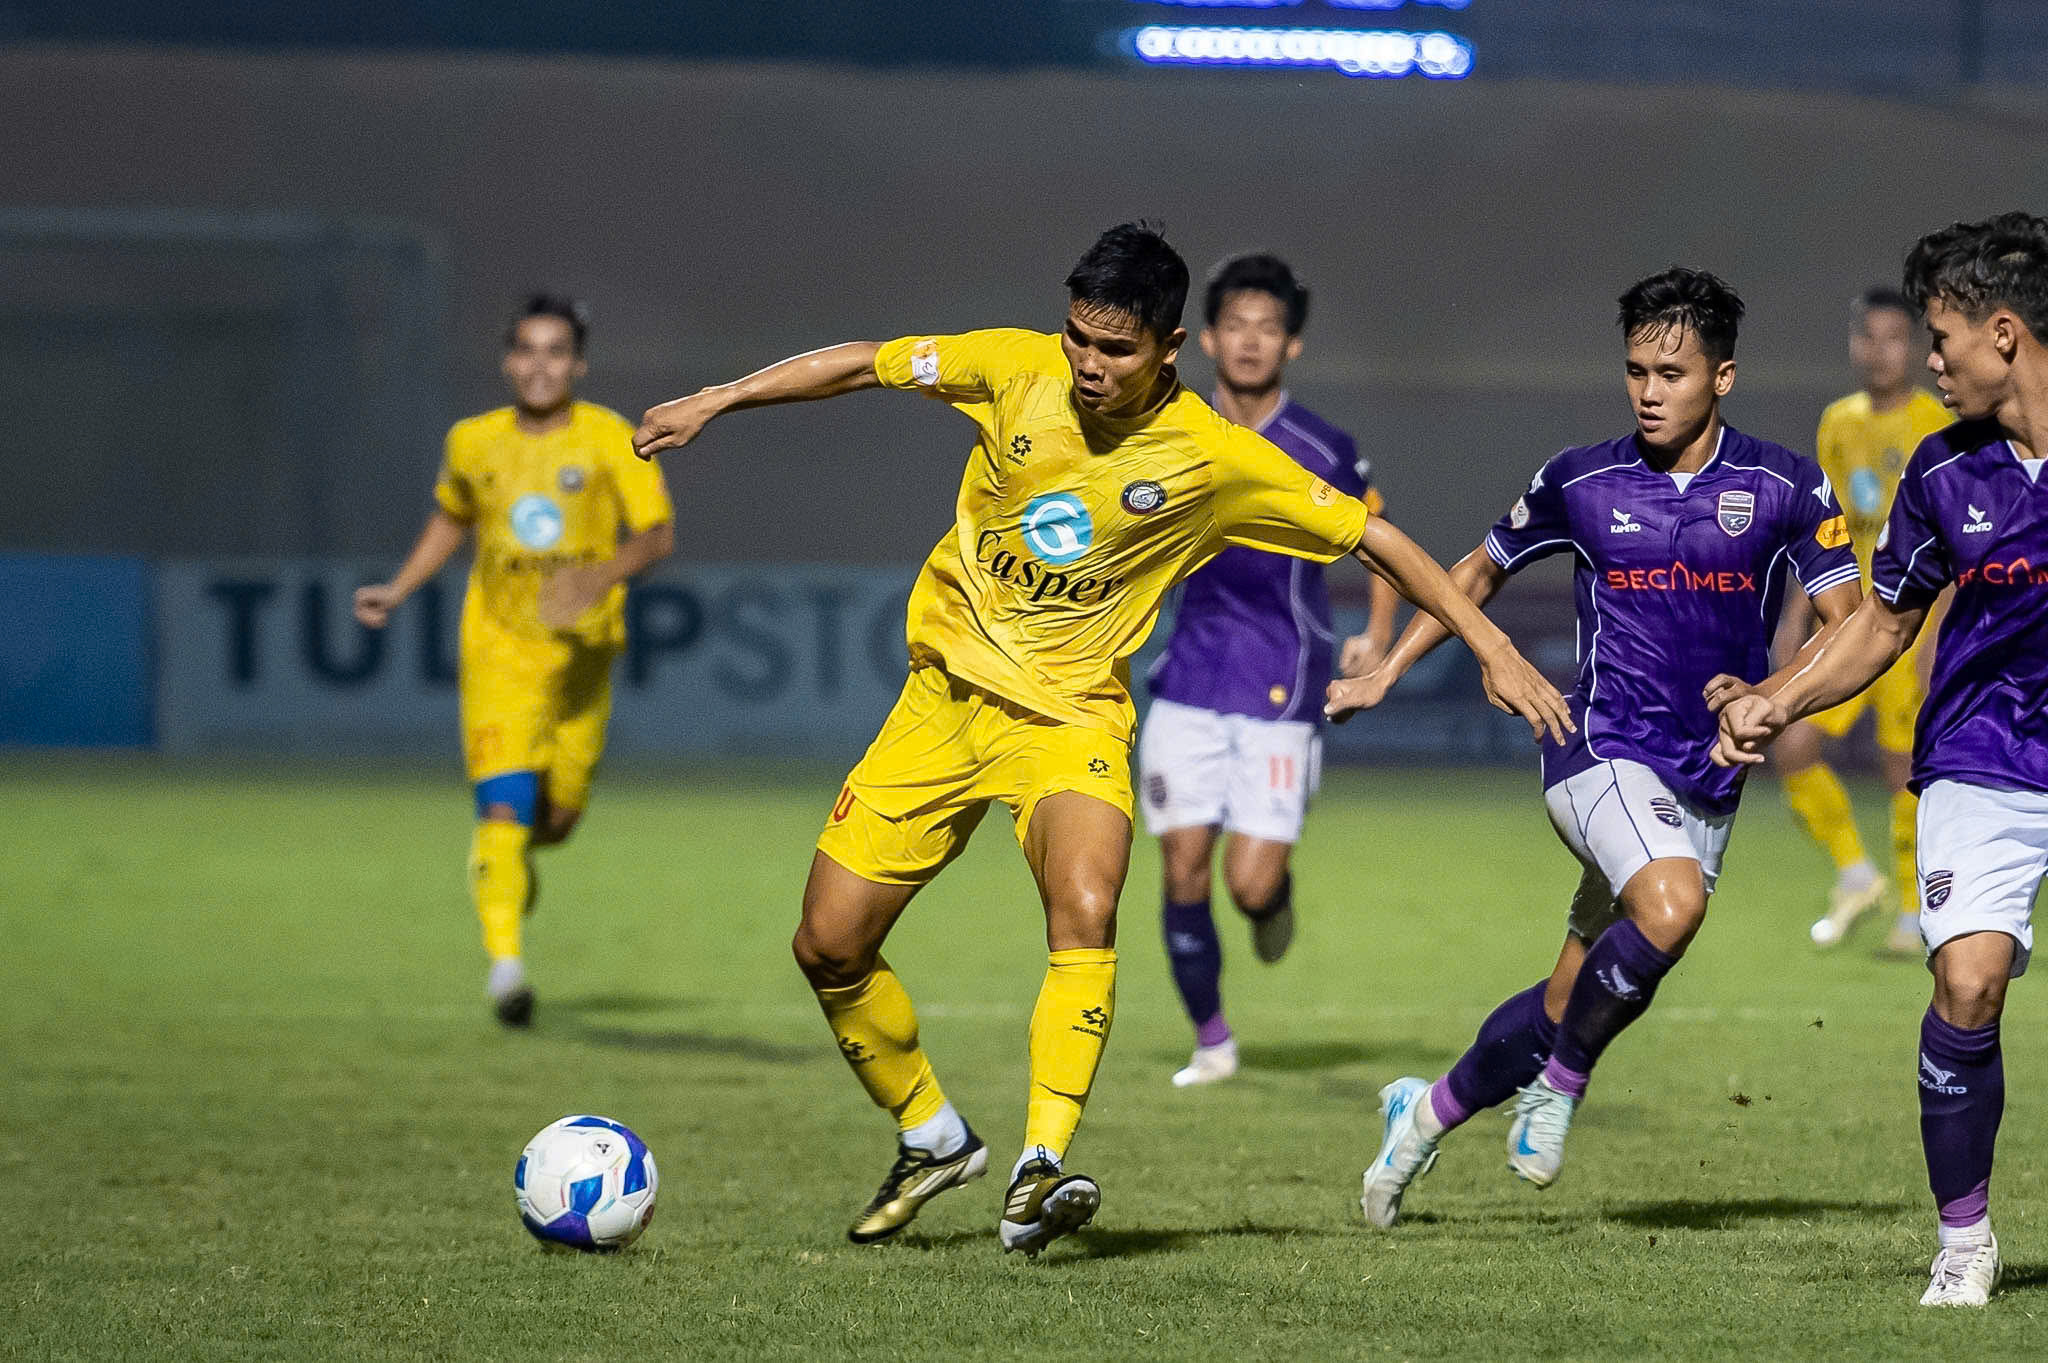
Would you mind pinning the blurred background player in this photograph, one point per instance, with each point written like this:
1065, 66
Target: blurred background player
1864, 441
1098, 482
547, 484
1970, 519
1231, 739
1685, 533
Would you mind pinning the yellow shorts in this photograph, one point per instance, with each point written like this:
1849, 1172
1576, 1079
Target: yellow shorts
536, 707
1894, 697
946, 751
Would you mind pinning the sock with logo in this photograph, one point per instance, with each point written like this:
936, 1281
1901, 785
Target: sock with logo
499, 880
1512, 1045
1196, 956
1962, 1098
1616, 983
877, 1033
1817, 797
1906, 849
1069, 1027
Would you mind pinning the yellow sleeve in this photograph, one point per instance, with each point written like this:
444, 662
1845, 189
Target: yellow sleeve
971, 366
1827, 450
1263, 500
643, 493
453, 489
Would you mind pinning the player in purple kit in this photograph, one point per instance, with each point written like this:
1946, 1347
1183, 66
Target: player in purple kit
1685, 533
1972, 510
1230, 741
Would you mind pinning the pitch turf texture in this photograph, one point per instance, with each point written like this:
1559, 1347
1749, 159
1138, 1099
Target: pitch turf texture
254, 1106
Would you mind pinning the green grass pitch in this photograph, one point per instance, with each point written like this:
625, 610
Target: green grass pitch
254, 1106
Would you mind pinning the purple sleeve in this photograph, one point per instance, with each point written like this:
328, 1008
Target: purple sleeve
1819, 534
1354, 471
1911, 565
1536, 526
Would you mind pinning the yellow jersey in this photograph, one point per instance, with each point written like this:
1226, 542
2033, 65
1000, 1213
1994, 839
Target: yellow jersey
1863, 452
537, 502
1070, 527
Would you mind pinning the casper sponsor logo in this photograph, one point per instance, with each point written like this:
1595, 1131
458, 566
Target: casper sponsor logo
1035, 580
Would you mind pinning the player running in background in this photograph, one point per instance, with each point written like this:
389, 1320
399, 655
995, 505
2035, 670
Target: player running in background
1230, 741
548, 485
1972, 512
1862, 447
1685, 533
1097, 482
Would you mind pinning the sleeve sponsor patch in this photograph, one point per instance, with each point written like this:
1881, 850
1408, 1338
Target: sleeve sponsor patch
1518, 514
1832, 533
924, 362
1322, 494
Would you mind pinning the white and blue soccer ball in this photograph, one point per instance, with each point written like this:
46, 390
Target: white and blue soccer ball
585, 1182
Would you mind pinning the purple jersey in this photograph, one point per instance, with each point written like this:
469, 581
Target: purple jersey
1251, 633
1674, 584
1969, 512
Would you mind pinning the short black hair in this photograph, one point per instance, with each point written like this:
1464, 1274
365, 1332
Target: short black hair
570, 310
1257, 273
1131, 269
1881, 299
1688, 300
1979, 266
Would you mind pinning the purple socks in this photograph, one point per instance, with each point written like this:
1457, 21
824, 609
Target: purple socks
1962, 1096
1508, 1052
1614, 988
1196, 956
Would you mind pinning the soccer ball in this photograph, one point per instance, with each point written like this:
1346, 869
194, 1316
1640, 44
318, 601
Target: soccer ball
586, 1182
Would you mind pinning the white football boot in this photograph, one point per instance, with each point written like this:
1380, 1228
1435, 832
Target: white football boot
1208, 1065
1964, 1275
1536, 1136
1405, 1153
1845, 906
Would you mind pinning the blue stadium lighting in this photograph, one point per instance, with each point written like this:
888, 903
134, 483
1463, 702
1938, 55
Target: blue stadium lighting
1353, 51
1290, 4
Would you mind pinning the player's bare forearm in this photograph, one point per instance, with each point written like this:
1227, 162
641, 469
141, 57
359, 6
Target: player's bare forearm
1833, 610
438, 541
1476, 577
1795, 629
1379, 621
1854, 653
827, 373
638, 552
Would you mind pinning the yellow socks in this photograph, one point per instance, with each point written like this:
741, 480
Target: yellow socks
1068, 1030
1906, 848
499, 879
877, 1033
1816, 796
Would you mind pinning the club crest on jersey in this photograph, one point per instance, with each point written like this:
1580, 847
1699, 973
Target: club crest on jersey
1735, 511
570, 479
1143, 497
1666, 810
1057, 528
1934, 888
537, 521
924, 363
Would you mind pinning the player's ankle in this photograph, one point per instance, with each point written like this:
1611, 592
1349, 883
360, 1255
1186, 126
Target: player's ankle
1977, 1232
941, 1135
1034, 1154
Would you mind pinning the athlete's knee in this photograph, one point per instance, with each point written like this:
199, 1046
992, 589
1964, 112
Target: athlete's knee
555, 825
1256, 890
1667, 906
1081, 915
1185, 872
1969, 993
831, 960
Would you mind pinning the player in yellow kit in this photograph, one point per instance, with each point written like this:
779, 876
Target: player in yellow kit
563, 516
1864, 442
1096, 483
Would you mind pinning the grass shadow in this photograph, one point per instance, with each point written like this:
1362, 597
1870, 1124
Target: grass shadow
2022, 1279
620, 1002
680, 1042
1113, 1242
1726, 1214
1296, 1056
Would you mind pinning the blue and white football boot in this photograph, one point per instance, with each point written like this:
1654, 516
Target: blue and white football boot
1536, 1136
1405, 1154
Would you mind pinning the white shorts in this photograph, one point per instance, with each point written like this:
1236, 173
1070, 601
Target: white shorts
1617, 818
1198, 768
1983, 853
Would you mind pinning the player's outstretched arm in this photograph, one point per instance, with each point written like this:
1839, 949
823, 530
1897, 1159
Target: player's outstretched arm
1476, 575
1849, 657
437, 544
1511, 683
845, 368
1365, 651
